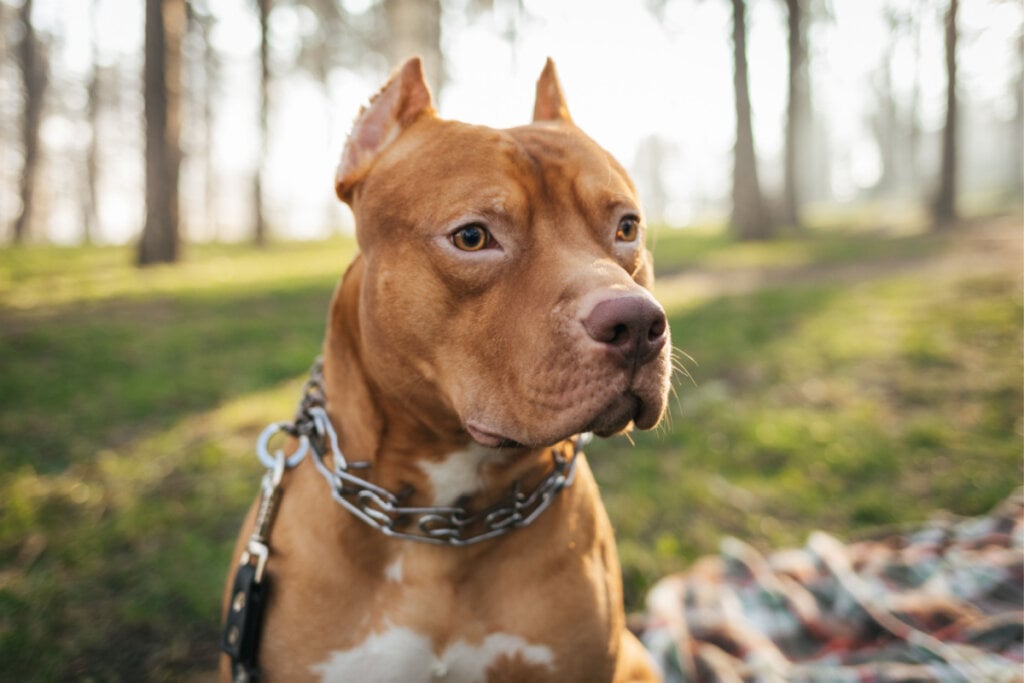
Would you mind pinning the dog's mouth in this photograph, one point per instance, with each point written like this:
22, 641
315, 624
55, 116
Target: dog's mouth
490, 439
613, 418
617, 416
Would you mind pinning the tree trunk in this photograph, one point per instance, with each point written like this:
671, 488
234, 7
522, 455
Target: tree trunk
165, 24
90, 200
749, 216
1017, 156
211, 79
884, 123
794, 122
259, 234
203, 78
914, 113
34, 79
944, 208
415, 29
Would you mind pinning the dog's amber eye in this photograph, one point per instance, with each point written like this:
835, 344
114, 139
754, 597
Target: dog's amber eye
629, 228
472, 237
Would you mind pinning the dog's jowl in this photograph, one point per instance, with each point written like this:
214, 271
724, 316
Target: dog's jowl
443, 524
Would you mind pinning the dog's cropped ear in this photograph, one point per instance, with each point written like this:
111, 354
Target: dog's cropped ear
550, 102
402, 100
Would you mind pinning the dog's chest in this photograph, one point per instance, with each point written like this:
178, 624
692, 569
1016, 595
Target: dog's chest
412, 623
402, 655
520, 610
421, 628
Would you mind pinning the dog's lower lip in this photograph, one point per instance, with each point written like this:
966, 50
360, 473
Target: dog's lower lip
490, 440
613, 419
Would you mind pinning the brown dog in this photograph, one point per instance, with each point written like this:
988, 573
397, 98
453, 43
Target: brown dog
498, 308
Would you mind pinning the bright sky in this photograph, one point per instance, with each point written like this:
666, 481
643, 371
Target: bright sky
627, 76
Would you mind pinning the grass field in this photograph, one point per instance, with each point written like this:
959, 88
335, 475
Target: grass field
849, 379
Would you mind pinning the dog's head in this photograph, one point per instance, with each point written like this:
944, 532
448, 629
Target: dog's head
505, 278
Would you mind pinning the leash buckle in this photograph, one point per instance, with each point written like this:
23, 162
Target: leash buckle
242, 624
261, 552
270, 496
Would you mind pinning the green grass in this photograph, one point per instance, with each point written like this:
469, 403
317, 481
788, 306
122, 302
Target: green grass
711, 249
128, 405
129, 402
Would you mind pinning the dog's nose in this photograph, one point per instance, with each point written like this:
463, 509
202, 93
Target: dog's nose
633, 325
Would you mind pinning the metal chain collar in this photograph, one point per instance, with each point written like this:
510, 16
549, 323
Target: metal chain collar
382, 509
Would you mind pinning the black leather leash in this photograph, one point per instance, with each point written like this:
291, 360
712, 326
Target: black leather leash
240, 638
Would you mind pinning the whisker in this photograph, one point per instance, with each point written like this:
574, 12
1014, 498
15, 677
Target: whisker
665, 425
679, 360
684, 354
677, 400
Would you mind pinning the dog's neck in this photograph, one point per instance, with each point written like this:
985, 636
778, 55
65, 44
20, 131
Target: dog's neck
427, 456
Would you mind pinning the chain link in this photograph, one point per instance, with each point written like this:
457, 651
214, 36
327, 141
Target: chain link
382, 509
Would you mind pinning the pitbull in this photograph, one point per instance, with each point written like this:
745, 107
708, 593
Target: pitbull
499, 306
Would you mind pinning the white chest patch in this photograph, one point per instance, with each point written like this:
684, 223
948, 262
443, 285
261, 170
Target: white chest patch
393, 572
459, 474
400, 655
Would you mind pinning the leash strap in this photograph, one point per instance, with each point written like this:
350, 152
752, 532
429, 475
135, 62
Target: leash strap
240, 638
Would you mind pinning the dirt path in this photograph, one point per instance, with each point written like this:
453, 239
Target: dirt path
973, 248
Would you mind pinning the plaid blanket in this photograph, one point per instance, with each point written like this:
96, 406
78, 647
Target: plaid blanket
944, 602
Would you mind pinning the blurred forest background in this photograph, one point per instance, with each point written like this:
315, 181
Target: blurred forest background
225, 119
835, 191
